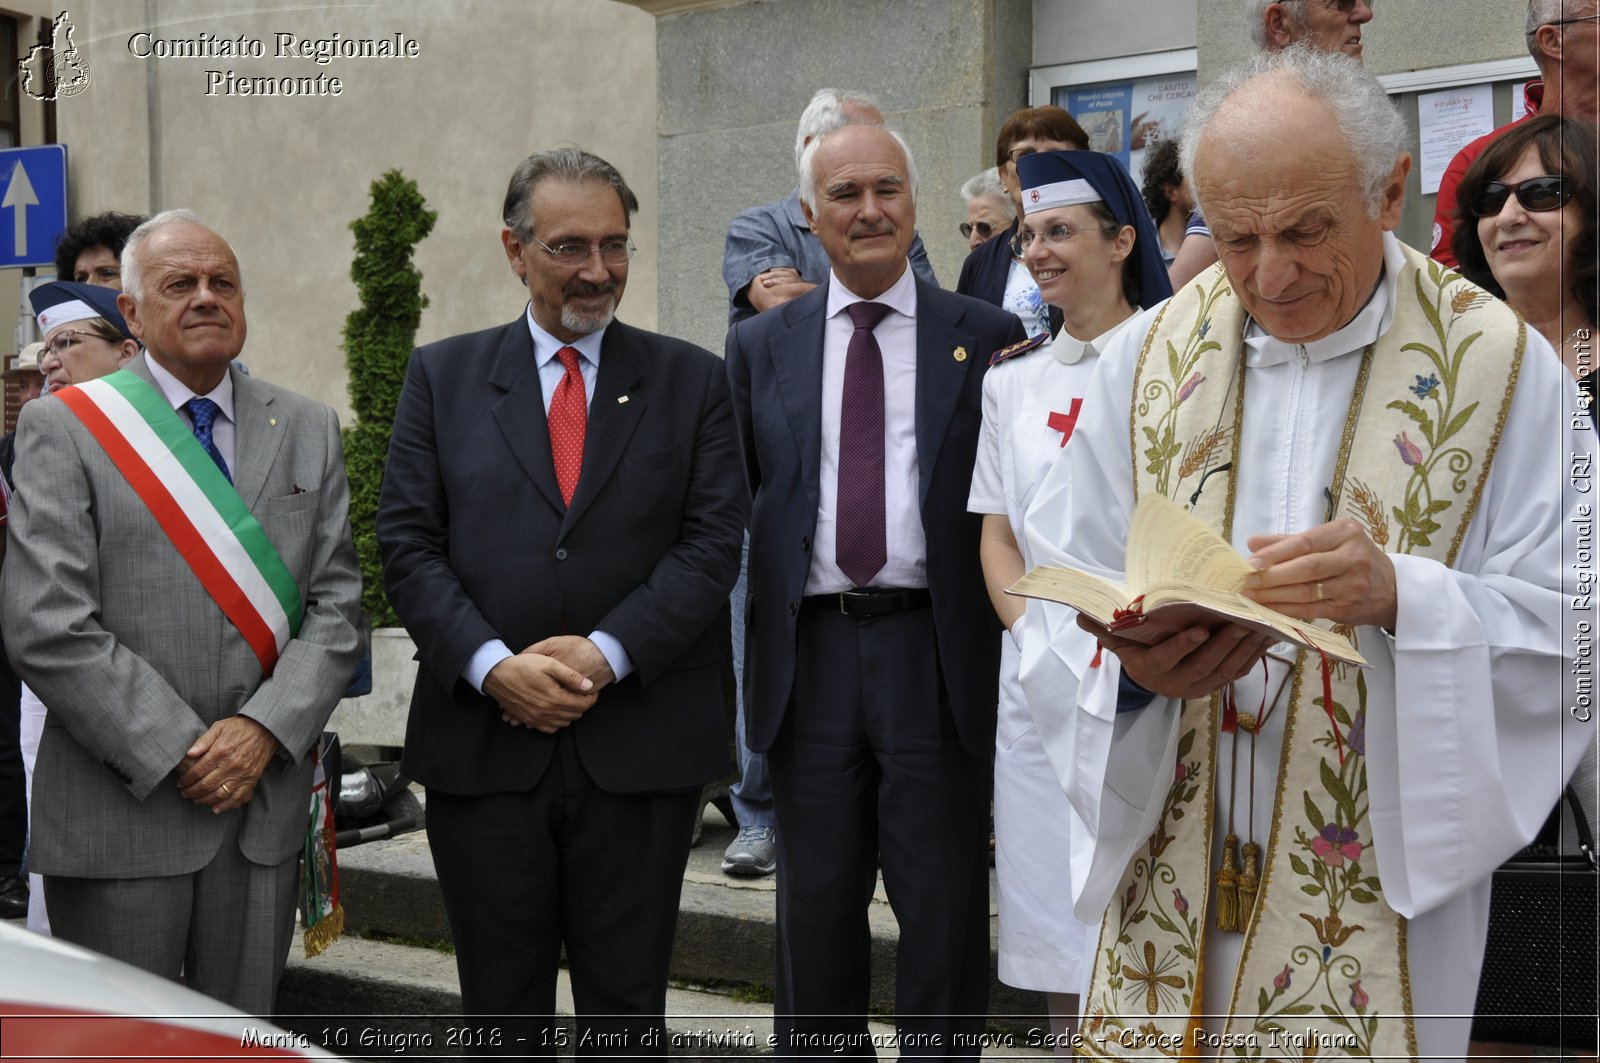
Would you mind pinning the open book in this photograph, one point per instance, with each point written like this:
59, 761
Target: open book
1180, 574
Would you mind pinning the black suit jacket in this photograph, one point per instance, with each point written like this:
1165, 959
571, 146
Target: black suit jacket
987, 266
775, 366
478, 545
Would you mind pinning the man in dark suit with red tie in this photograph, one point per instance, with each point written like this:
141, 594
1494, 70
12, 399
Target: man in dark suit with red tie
872, 653
561, 520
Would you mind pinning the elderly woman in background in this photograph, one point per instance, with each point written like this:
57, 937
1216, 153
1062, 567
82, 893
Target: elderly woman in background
1167, 197
1525, 230
85, 338
989, 209
1090, 246
994, 272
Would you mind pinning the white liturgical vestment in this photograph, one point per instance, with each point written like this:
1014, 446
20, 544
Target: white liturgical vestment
1468, 737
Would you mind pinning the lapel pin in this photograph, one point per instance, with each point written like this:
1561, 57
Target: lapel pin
621, 400
961, 354
273, 421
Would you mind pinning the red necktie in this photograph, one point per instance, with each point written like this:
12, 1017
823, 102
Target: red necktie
569, 419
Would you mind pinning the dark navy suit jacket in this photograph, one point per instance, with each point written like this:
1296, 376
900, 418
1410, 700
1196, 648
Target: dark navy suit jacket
478, 545
775, 367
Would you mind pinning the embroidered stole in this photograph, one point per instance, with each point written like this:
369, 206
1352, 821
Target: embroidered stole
195, 505
1324, 957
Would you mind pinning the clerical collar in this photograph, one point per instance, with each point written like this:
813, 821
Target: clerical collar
901, 296
546, 346
1372, 321
1069, 351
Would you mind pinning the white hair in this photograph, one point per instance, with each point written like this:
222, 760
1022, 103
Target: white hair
132, 278
1541, 13
988, 184
808, 161
1372, 128
826, 112
1255, 16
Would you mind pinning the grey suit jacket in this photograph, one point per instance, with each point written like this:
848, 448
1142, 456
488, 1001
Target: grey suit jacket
134, 660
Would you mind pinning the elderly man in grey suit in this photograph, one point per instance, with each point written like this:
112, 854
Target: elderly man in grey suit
181, 590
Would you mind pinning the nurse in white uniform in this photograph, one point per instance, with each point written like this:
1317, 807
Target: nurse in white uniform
1090, 247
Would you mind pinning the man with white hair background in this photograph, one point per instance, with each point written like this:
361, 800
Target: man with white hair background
771, 255
1387, 446
1322, 25
1564, 39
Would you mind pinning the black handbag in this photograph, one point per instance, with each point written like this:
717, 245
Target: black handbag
1538, 981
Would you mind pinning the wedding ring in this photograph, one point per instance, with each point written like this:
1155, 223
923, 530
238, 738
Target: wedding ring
1321, 594
230, 792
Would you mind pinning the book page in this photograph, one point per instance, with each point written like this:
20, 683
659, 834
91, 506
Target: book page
1167, 544
1094, 597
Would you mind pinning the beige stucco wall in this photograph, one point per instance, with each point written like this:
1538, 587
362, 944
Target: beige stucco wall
1403, 34
282, 177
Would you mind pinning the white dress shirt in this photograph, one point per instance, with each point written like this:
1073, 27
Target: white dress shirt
177, 393
545, 348
897, 339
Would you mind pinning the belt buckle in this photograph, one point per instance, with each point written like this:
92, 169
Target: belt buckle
845, 598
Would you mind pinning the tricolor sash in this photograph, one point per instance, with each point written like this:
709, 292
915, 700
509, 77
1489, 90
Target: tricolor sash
195, 505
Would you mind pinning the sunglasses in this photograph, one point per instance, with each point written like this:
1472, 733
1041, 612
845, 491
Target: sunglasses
983, 229
1535, 194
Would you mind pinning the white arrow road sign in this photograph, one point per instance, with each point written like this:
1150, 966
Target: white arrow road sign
20, 194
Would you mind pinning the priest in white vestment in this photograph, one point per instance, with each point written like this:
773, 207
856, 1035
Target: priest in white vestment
1394, 452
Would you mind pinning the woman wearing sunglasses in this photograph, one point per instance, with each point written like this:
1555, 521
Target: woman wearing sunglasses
1525, 230
989, 209
1090, 246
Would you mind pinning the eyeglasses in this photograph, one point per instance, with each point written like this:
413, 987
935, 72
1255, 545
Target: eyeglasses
1016, 153
982, 228
612, 252
65, 341
1536, 194
1054, 237
1565, 21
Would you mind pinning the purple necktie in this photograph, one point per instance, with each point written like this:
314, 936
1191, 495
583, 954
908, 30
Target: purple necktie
862, 546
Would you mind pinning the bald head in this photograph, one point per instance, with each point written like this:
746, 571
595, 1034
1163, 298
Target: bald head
1254, 103
1298, 193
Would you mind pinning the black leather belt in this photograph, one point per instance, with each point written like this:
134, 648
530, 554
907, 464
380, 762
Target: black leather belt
871, 601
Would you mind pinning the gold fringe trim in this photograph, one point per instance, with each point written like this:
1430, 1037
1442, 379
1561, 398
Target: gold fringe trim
328, 930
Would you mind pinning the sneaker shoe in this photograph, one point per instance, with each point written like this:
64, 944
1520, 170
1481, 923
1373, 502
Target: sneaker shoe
753, 852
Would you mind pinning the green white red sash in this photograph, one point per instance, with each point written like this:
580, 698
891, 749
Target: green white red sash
196, 506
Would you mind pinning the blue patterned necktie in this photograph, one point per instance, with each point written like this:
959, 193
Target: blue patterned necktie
203, 412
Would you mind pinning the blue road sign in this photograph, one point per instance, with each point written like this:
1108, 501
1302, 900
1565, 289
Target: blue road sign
33, 207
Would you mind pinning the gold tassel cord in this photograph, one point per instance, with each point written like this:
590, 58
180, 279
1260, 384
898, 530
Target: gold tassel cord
1249, 881
1227, 891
